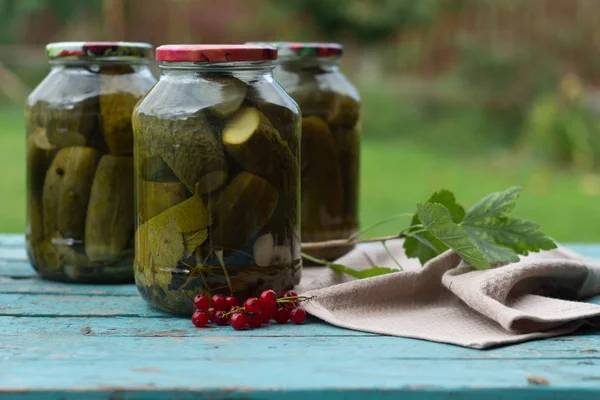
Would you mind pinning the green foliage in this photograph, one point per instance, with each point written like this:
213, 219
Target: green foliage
425, 246
499, 237
370, 20
12, 12
437, 220
563, 130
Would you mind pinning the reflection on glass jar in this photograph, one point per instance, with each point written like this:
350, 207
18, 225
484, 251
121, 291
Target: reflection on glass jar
80, 160
330, 108
217, 178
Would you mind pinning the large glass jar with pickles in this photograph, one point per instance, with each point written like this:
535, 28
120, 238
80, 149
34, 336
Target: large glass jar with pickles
80, 160
330, 107
217, 177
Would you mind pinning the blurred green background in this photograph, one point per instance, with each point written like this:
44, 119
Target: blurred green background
469, 95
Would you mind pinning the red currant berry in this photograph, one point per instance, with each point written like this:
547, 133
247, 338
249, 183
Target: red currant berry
239, 321
232, 301
219, 302
211, 313
282, 315
268, 312
253, 305
201, 302
268, 298
297, 315
221, 320
266, 318
255, 320
200, 319
289, 304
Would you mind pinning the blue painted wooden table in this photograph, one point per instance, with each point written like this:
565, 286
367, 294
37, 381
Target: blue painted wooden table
62, 341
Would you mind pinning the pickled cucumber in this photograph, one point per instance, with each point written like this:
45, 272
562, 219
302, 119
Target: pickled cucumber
35, 221
46, 256
345, 112
348, 145
335, 108
120, 90
163, 240
250, 138
281, 112
241, 209
67, 191
71, 124
115, 109
322, 197
189, 148
322, 191
109, 223
159, 196
39, 156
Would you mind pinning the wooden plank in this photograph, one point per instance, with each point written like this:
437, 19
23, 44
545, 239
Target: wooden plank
406, 393
34, 327
192, 369
43, 305
36, 285
8, 240
49, 305
126, 335
16, 269
14, 254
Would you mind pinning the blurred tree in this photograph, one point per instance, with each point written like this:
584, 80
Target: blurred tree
12, 12
370, 20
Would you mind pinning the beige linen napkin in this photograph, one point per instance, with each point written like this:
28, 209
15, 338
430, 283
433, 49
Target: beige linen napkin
451, 302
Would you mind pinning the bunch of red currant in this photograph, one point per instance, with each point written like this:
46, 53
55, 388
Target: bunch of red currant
255, 311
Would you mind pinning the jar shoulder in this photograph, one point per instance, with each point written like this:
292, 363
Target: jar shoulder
179, 97
298, 83
73, 85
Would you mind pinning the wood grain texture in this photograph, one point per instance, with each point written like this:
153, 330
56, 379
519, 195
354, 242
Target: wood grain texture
65, 341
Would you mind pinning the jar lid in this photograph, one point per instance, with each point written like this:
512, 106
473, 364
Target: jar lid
78, 50
306, 49
215, 52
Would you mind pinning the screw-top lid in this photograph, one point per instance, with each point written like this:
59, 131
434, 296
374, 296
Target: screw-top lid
306, 49
79, 50
215, 52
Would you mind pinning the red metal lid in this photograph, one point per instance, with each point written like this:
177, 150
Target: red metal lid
215, 52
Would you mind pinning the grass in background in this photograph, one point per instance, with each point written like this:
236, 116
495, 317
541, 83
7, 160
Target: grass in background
12, 165
397, 172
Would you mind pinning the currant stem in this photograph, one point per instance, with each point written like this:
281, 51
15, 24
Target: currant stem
239, 309
294, 298
345, 242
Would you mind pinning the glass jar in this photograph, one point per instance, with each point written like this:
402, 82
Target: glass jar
331, 131
217, 177
80, 160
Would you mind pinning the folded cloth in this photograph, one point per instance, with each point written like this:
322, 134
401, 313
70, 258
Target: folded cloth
449, 301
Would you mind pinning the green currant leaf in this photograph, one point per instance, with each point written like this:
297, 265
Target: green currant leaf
496, 204
499, 237
438, 221
503, 239
425, 246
